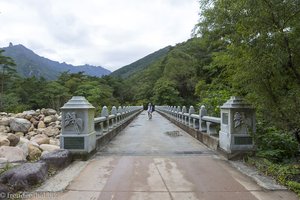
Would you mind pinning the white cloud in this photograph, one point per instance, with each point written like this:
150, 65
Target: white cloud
110, 33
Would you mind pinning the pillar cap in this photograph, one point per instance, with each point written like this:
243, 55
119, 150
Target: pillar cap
236, 102
77, 102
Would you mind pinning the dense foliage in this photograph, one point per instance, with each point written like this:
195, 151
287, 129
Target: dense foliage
141, 64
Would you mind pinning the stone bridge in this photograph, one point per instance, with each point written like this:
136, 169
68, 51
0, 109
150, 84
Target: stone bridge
132, 157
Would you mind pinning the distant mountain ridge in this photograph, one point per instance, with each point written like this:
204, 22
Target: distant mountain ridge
140, 64
30, 64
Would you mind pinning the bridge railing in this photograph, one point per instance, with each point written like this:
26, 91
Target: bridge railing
201, 121
233, 129
81, 131
107, 122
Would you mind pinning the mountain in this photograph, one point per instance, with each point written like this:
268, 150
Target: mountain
141, 64
29, 64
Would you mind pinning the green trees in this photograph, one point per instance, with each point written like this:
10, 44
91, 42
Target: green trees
7, 70
35, 93
261, 57
165, 93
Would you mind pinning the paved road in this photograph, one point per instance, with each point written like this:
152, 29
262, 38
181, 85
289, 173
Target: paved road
154, 160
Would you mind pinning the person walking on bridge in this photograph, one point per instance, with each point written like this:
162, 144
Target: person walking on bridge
150, 110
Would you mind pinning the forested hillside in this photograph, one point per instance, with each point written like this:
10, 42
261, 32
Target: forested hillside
140, 64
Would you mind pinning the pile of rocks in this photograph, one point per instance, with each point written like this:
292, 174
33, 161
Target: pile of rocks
28, 135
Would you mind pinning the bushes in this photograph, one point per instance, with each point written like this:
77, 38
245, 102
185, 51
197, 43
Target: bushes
275, 145
285, 174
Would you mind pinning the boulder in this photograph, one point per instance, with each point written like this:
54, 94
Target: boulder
54, 141
28, 117
4, 121
53, 124
3, 114
4, 141
40, 139
44, 152
57, 159
19, 115
41, 117
48, 111
41, 124
19, 134
30, 112
24, 147
34, 153
23, 140
3, 129
31, 128
31, 134
13, 139
20, 125
51, 131
12, 154
49, 147
49, 119
25, 176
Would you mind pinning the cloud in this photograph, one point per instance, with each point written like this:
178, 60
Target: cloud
110, 33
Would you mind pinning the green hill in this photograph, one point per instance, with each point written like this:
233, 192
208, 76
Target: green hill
141, 64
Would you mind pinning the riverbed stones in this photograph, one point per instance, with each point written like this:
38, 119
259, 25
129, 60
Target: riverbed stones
57, 159
12, 154
41, 124
4, 121
19, 134
19, 124
13, 139
41, 139
51, 131
48, 111
25, 176
49, 147
34, 152
4, 141
49, 119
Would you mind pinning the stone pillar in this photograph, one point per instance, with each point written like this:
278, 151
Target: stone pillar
178, 113
202, 124
104, 113
115, 119
191, 111
237, 126
78, 133
183, 120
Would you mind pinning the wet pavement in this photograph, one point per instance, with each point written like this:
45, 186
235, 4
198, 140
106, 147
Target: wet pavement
153, 160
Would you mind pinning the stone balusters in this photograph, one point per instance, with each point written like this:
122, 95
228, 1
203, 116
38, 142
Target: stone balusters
178, 113
104, 113
183, 117
113, 116
202, 123
191, 111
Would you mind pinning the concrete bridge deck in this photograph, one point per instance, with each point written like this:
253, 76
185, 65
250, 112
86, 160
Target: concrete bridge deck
153, 159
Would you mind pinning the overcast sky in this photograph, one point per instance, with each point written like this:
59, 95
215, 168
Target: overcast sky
108, 33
